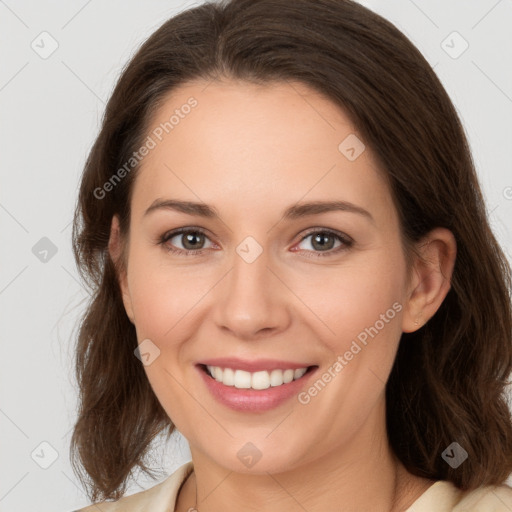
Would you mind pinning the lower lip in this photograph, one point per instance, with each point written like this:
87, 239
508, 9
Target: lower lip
254, 400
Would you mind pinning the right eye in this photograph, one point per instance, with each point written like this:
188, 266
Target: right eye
190, 239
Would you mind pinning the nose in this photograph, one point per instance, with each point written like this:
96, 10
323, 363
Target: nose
251, 301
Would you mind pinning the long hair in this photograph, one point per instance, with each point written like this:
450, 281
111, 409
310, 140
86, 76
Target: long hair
449, 378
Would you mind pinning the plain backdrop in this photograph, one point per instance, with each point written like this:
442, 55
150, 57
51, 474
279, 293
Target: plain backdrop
50, 109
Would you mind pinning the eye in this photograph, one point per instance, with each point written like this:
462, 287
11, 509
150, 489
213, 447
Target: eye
324, 241
191, 240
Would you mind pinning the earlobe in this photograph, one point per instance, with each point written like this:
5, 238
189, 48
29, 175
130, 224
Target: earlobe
431, 279
115, 249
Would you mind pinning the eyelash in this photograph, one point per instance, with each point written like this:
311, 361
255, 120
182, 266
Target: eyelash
345, 239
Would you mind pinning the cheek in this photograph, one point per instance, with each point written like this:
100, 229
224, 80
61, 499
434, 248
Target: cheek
163, 295
164, 300
360, 303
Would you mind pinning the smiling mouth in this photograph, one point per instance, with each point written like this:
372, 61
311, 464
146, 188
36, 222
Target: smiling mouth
259, 380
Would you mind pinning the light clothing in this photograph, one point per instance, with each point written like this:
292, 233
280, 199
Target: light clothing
442, 496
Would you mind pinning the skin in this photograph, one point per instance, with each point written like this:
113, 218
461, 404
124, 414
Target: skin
250, 152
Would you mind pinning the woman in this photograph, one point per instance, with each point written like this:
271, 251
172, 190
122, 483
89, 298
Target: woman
291, 264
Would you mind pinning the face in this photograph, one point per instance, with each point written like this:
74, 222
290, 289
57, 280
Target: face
254, 283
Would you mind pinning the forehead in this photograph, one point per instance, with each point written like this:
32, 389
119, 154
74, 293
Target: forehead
238, 142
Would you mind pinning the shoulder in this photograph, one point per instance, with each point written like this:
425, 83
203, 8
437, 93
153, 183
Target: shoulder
160, 497
492, 498
444, 496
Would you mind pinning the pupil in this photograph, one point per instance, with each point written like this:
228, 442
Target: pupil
190, 238
318, 239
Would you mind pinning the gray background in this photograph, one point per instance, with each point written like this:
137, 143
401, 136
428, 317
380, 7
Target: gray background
50, 109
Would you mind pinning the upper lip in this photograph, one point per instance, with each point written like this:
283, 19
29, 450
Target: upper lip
255, 365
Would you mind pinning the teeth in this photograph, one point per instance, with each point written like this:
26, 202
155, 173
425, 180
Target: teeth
288, 376
228, 377
297, 374
242, 379
258, 380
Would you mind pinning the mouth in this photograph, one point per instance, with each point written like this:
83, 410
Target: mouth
256, 386
259, 380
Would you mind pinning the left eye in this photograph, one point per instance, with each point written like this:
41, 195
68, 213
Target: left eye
324, 241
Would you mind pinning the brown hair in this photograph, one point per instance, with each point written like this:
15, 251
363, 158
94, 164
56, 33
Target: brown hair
448, 380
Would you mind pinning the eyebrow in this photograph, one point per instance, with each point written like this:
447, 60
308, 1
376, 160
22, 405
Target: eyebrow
293, 212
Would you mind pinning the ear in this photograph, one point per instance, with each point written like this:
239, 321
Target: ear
431, 278
115, 249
